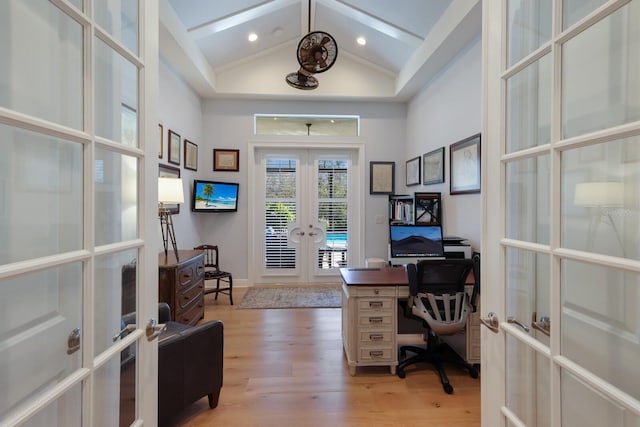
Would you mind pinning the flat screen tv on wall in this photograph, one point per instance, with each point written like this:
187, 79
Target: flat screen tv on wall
214, 196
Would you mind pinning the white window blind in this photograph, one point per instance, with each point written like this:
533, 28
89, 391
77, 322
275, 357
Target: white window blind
332, 212
280, 210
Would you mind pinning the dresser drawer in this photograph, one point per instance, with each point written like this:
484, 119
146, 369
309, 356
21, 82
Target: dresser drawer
187, 296
369, 337
376, 304
375, 319
186, 275
376, 354
192, 315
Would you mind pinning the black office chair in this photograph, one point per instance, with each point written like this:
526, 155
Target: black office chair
212, 272
437, 297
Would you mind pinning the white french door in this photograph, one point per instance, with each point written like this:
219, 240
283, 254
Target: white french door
77, 106
560, 251
304, 211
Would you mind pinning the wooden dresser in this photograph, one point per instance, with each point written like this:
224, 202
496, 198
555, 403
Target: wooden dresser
181, 285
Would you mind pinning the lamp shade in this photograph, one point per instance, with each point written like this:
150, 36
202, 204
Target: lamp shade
170, 190
608, 194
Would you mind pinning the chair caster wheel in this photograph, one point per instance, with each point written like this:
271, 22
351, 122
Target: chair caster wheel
401, 373
447, 388
473, 373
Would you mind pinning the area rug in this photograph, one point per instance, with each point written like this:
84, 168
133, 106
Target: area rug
291, 297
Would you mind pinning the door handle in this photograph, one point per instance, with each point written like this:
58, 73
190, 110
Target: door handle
515, 321
154, 329
73, 341
491, 322
300, 233
543, 325
124, 332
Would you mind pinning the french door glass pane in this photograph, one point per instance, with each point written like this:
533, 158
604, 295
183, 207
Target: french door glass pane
583, 406
39, 311
600, 323
114, 397
527, 282
54, 91
115, 294
528, 27
529, 106
116, 205
600, 205
527, 384
116, 88
600, 74
280, 211
332, 212
120, 19
41, 211
527, 198
575, 10
65, 411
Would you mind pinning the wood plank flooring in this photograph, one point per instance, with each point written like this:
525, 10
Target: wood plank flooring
286, 367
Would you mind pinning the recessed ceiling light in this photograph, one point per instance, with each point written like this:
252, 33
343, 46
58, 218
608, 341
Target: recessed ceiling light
361, 41
253, 37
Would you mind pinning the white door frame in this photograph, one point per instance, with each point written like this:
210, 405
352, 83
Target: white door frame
356, 249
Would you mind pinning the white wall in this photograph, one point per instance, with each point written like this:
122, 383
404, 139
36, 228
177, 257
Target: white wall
447, 110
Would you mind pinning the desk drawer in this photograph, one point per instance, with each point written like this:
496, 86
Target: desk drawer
376, 354
375, 319
373, 336
381, 291
376, 304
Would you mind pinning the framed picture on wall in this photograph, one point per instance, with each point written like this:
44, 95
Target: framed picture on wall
413, 171
226, 160
174, 148
381, 177
161, 141
433, 167
170, 172
464, 166
190, 155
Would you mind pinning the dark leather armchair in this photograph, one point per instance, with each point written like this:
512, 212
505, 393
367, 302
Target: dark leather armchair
437, 297
190, 361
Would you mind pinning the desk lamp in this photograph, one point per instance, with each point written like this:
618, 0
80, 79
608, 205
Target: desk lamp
169, 191
606, 197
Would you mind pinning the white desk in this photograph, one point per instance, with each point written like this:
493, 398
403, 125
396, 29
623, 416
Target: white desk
370, 319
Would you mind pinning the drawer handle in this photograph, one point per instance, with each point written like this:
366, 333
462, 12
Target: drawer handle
376, 337
376, 304
375, 319
376, 291
376, 353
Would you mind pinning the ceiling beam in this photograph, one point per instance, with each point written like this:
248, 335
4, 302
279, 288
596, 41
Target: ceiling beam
241, 17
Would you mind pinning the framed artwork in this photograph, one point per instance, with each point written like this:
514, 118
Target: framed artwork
413, 171
161, 132
428, 209
464, 166
226, 160
433, 167
172, 172
174, 148
190, 155
381, 177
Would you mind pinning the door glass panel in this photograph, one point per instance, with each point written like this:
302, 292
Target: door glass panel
575, 10
527, 384
54, 91
583, 406
114, 397
280, 211
114, 293
600, 210
528, 27
41, 188
600, 324
332, 212
120, 19
527, 281
116, 184
600, 78
116, 103
39, 312
528, 106
527, 198
65, 411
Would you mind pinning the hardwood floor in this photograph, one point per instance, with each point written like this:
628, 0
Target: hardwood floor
286, 367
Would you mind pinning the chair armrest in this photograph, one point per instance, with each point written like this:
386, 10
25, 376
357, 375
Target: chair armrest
164, 312
203, 349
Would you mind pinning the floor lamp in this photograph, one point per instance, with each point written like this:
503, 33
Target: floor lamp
169, 192
606, 197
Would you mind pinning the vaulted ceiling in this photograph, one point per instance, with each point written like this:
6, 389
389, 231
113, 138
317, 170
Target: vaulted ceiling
407, 43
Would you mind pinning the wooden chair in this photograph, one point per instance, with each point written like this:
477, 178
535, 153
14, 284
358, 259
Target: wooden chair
212, 272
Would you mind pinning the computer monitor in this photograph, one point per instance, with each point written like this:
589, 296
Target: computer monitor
412, 243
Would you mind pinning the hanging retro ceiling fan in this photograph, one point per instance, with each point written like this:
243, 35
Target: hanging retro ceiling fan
317, 52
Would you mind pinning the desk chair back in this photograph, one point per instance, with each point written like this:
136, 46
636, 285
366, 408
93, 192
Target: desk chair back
212, 272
